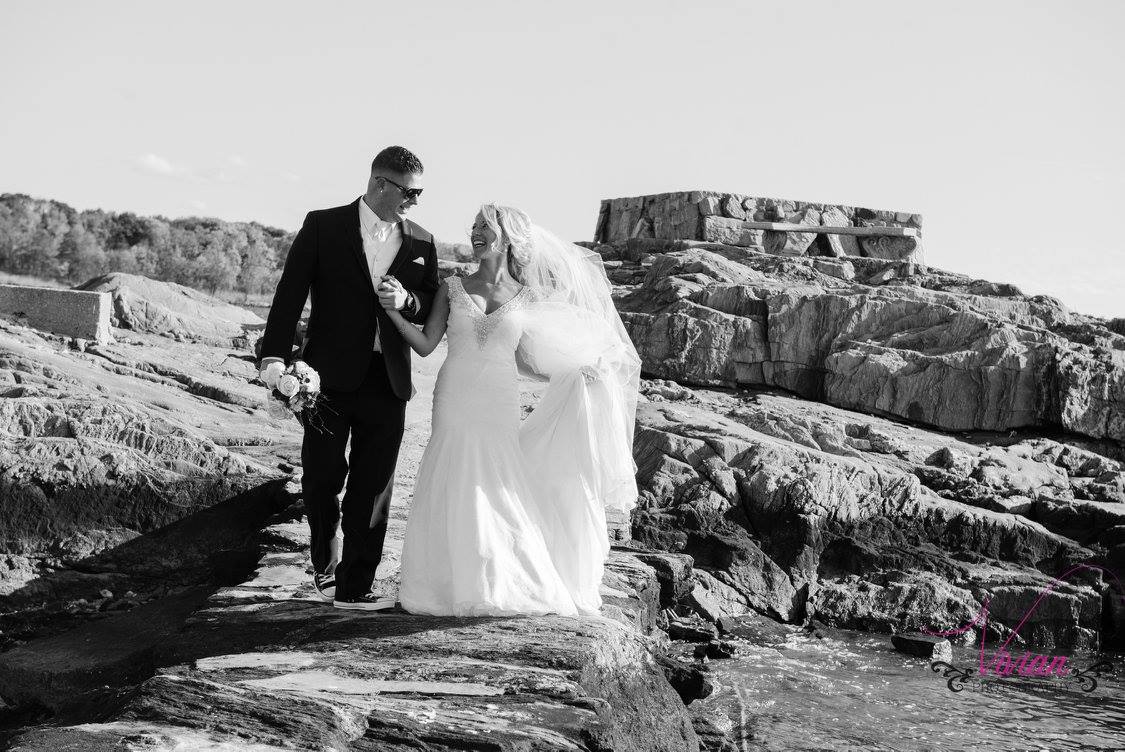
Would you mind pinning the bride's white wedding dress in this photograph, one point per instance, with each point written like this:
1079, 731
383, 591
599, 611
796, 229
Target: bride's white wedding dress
509, 518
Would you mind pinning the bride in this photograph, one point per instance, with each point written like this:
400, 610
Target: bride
509, 517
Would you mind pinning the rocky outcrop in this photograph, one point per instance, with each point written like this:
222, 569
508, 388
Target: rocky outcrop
127, 470
875, 336
800, 510
793, 459
147, 305
265, 664
135, 481
80, 476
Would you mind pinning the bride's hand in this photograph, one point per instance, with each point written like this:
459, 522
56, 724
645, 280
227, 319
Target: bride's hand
590, 373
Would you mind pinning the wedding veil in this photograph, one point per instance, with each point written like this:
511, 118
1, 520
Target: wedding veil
575, 338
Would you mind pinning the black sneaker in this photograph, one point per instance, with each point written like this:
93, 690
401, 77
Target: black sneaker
366, 602
325, 585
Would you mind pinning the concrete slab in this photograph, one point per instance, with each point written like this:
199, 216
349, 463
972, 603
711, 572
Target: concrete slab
73, 313
908, 232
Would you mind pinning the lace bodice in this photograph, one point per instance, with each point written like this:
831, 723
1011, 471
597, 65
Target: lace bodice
468, 325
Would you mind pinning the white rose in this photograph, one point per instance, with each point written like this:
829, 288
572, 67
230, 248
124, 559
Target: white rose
314, 382
288, 385
271, 372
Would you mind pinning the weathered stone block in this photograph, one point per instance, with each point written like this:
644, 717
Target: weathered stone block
892, 248
73, 313
923, 646
844, 245
601, 230
841, 245
732, 232
643, 229
709, 206
680, 216
732, 207
839, 268
788, 243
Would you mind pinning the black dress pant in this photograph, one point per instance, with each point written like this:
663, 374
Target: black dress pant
373, 417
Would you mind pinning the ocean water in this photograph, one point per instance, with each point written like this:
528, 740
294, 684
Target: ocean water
853, 691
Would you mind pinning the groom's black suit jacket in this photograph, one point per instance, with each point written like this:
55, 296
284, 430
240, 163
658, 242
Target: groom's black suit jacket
327, 259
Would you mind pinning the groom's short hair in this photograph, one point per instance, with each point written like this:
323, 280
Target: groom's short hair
397, 159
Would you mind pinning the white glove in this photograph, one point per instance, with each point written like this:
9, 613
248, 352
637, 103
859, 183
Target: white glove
271, 372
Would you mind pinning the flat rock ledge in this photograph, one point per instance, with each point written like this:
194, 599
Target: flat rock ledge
266, 666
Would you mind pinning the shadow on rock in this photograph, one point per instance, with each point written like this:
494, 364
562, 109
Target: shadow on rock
74, 634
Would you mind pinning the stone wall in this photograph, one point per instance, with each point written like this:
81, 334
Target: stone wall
751, 222
73, 313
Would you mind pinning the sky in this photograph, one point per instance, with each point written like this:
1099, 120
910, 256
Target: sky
1000, 122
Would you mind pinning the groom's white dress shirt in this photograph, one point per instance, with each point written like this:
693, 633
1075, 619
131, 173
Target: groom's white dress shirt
381, 241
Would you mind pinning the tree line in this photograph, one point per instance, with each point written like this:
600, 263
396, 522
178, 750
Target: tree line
49, 239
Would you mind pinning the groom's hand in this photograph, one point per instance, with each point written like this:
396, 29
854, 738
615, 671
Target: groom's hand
392, 295
271, 371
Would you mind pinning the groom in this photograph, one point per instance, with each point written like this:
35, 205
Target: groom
346, 256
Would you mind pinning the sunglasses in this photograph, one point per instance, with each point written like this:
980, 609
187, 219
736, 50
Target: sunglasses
407, 193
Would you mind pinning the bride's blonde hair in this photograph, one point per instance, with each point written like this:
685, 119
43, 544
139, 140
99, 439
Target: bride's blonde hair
513, 229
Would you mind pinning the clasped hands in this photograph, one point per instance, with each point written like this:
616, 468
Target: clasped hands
392, 295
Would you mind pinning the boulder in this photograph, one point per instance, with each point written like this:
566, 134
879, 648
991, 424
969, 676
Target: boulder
714, 729
166, 308
840, 245
259, 663
795, 510
83, 475
112, 459
930, 347
673, 571
691, 630
715, 649
788, 243
923, 646
756, 628
896, 248
718, 229
690, 681
878, 601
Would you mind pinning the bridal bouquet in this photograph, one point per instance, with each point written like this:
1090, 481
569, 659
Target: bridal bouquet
297, 392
